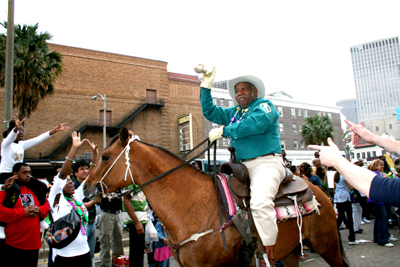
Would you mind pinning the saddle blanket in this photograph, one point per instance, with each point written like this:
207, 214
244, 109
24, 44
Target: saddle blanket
282, 213
289, 212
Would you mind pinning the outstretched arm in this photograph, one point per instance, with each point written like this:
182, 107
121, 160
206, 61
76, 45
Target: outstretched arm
358, 177
59, 128
361, 132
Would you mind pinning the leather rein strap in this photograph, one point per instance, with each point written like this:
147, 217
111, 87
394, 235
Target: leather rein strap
137, 189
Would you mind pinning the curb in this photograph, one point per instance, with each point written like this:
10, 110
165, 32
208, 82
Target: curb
44, 250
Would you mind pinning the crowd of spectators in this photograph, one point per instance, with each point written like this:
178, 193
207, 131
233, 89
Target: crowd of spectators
353, 208
26, 205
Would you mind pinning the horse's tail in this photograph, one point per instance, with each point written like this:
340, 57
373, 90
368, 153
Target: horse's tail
345, 260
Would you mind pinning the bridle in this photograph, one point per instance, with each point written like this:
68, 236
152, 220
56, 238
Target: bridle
126, 150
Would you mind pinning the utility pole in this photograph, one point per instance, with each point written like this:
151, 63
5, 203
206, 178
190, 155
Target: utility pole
9, 71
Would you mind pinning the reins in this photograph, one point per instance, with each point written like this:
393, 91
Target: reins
137, 189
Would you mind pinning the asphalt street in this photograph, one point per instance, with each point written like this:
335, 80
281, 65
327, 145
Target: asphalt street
365, 254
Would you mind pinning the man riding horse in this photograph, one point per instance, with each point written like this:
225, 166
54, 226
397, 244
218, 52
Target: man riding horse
252, 128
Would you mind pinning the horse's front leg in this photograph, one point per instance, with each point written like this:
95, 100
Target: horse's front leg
292, 259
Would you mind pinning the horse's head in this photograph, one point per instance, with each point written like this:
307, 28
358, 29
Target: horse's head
109, 173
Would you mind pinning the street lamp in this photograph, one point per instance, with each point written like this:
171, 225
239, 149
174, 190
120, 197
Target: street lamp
104, 117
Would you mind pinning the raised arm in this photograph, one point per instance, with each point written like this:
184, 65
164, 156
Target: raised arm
13, 134
95, 152
69, 159
59, 128
360, 132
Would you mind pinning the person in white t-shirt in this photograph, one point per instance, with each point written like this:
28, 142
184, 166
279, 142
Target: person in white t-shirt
63, 199
12, 152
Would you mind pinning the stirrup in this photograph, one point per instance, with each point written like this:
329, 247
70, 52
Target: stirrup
265, 257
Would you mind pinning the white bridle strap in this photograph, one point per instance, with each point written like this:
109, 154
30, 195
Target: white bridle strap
126, 150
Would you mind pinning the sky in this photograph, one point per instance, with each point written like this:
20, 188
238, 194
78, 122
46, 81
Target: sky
300, 47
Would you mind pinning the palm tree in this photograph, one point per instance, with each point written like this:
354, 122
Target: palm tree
317, 130
35, 67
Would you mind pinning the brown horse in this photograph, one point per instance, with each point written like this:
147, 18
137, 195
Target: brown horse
186, 202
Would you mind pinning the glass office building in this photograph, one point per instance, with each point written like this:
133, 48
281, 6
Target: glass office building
349, 109
377, 79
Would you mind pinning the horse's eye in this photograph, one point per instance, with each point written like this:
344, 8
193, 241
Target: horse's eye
104, 157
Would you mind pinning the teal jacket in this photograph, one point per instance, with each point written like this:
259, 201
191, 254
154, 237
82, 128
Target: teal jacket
255, 135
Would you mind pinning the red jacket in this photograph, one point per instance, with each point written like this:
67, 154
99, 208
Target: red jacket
22, 232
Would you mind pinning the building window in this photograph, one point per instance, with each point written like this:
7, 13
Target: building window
329, 115
305, 113
300, 128
293, 112
319, 113
283, 144
230, 103
363, 155
294, 126
390, 126
281, 130
358, 155
377, 128
108, 117
221, 102
302, 144
280, 112
151, 96
185, 133
298, 112
374, 153
368, 154
296, 144
323, 114
215, 101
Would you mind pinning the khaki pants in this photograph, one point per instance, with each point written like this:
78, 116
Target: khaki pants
266, 174
110, 235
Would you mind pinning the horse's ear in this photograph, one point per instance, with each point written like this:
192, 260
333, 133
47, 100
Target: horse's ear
124, 136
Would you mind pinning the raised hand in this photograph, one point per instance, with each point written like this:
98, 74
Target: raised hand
9, 182
18, 123
59, 128
93, 146
76, 139
95, 151
327, 154
208, 78
359, 132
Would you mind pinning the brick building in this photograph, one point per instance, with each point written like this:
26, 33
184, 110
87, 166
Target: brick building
141, 94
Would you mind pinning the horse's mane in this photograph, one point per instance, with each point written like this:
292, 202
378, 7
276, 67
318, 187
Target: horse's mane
163, 149
115, 137
171, 154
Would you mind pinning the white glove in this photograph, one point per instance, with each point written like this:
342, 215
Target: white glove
216, 133
208, 78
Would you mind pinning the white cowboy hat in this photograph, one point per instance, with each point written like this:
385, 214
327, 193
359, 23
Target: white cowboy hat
250, 79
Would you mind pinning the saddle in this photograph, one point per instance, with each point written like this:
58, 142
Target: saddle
239, 184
